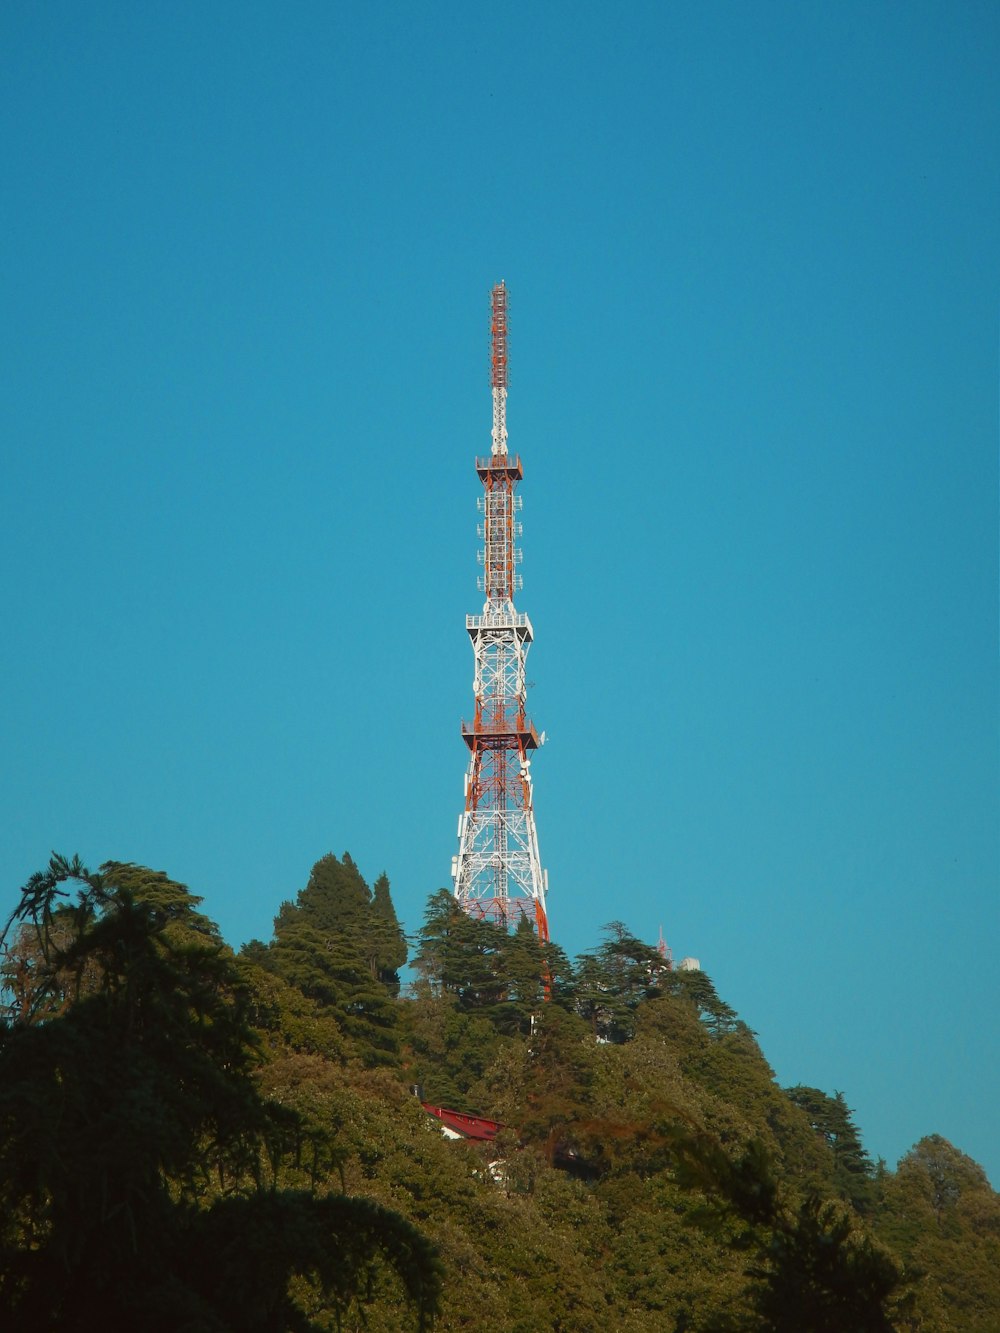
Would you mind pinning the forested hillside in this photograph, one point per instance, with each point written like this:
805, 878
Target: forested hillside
196, 1139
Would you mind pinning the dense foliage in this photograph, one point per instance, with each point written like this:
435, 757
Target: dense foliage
145, 1180
196, 1140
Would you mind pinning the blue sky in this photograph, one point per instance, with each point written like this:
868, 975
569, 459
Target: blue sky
752, 252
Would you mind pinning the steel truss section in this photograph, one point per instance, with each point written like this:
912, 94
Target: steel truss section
497, 873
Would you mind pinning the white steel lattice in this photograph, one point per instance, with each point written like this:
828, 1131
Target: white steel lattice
497, 873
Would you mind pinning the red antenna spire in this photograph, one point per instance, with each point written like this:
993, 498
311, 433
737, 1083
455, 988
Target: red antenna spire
498, 365
498, 336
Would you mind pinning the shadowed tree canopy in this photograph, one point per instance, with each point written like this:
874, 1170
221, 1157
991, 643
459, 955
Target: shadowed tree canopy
342, 946
507, 975
613, 980
138, 1160
831, 1118
460, 956
190, 1141
816, 1269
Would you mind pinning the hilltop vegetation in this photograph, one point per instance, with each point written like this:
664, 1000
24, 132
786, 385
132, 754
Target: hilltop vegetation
192, 1139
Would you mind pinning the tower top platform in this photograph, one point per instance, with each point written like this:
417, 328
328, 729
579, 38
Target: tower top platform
502, 619
502, 465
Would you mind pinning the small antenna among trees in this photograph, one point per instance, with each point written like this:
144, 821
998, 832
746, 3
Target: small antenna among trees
663, 949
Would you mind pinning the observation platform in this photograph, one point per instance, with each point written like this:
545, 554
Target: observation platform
506, 466
506, 734
500, 620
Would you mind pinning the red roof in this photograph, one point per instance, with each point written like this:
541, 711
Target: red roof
469, 1126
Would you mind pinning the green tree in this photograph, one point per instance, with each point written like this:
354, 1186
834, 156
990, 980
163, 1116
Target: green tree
134, 1142
832, 1119
821, 1275
340, 947
388, 951
940, 1214
461, 956
612, 981
815, 1269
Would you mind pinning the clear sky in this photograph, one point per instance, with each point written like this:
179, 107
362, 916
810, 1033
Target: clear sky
752, 252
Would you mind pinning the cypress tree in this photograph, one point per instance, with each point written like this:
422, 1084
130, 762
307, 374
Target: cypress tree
388, 950
340, 950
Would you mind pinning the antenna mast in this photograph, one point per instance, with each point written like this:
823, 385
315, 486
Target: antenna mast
498, 365
664, 950
497, 873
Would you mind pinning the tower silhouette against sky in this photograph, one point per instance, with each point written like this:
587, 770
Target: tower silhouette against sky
498, 873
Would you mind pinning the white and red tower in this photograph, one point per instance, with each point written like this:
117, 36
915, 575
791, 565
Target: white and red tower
497, 873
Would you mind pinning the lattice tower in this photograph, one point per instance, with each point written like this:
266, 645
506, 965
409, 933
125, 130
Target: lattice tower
498, 873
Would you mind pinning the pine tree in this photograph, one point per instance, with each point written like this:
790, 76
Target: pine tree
341, 947
461, 956
388, 951
832, 1119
